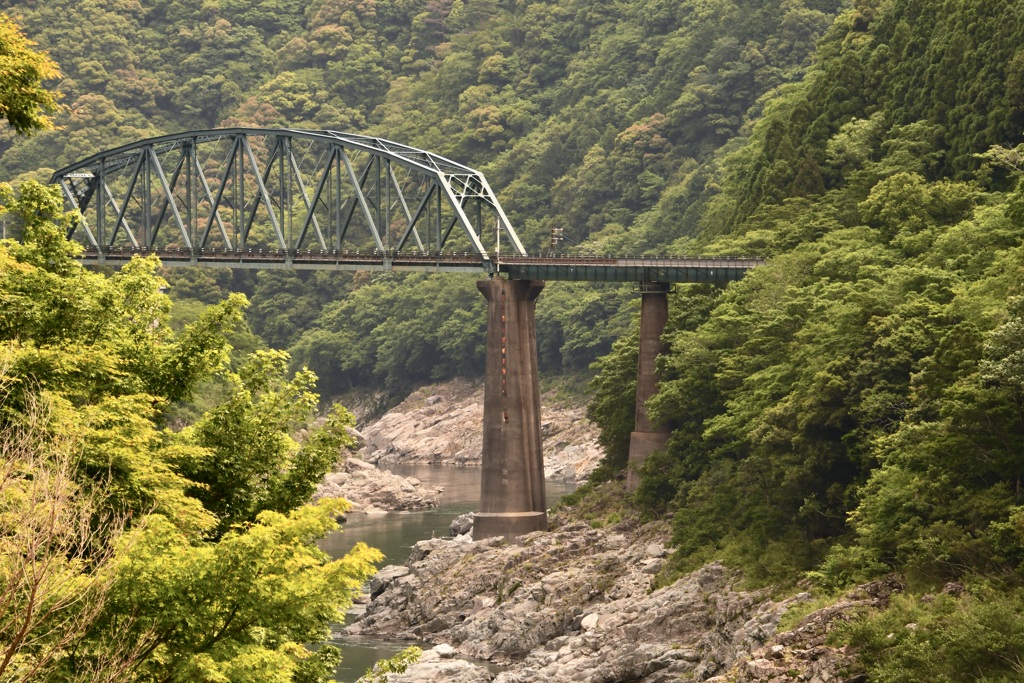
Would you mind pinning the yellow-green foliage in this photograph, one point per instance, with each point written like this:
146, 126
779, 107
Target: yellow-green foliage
238, 609
397, 664
24, 102
124, 558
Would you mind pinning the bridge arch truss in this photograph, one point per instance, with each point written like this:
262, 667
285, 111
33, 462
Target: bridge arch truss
244, 190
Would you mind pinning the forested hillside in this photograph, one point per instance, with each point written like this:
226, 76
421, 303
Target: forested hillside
854, 408
857, 406
878, 350
600, 119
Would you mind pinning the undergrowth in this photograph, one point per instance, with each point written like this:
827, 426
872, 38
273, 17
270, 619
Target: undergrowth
978, 636
599, 505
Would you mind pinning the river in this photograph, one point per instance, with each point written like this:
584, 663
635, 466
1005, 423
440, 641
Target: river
396, 532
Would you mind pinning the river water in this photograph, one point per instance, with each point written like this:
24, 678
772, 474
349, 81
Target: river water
395, 533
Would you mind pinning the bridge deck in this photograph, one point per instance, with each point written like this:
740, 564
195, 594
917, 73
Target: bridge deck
564, 267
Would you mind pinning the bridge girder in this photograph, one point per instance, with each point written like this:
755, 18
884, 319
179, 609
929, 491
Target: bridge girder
288, 190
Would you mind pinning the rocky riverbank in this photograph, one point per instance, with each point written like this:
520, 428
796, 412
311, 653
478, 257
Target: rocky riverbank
573, 604
375, 491
443, 424
576, 604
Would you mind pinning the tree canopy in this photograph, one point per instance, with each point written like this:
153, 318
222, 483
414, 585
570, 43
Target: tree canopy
131, 551
25, 102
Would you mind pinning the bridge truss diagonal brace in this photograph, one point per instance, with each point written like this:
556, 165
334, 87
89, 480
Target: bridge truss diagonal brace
357, 187
127, 200
310, 206
405, 210
120, 222
506, 226
458, 203
229, 166
261, 184
77, 205
214, 205
169, 200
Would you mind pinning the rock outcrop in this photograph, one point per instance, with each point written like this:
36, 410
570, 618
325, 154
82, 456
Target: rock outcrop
802, 654
443, 425
576, 604
438, 665
371, 490
461, 525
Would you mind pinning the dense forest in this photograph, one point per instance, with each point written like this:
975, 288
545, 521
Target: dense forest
854, 408
602, 120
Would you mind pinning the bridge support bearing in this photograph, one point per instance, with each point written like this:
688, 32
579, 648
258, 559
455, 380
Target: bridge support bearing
512, 486
647, 436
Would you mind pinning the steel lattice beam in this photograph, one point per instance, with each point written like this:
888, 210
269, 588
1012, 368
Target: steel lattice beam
367, 193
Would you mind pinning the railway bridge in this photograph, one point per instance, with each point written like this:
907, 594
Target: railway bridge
327, 200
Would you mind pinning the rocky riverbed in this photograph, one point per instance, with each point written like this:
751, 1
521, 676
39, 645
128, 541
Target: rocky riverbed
576, 604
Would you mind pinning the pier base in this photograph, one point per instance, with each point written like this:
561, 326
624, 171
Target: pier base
512, 497
647, 437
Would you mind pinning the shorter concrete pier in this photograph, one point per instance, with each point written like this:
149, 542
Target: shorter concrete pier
512, 487
647, 437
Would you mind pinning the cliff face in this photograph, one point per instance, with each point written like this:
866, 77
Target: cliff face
442, 424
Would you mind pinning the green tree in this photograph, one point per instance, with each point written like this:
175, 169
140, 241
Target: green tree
236, 610
57, 543
24, 102
397, 664
176, 597
254, 464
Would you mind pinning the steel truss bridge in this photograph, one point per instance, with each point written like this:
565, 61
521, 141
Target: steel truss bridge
252, 198
325, 200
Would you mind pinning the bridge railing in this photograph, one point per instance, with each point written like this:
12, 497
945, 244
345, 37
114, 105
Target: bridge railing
575, 267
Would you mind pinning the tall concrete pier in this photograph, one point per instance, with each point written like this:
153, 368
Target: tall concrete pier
512, 486
647, 436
